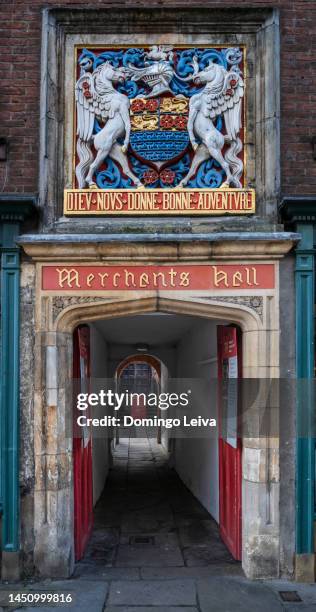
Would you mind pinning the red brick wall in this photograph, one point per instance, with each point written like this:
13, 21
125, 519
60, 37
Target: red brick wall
20, 42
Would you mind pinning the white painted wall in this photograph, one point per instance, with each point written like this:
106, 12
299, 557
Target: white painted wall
196, 459
100, 446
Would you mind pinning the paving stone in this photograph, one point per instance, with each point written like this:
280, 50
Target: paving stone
151, 609
153, 593
136, 502
101, 554
189, 511
140, 501
165, 541
197, 532
86, 595
91, 571
148, 555
307, 592
200, 556
147, 525
107, 537
153, 519
222, 594
298, 607
170, 573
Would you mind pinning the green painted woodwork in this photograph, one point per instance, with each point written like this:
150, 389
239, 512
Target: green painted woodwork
10, 275
13, 210
305, 464
300, 213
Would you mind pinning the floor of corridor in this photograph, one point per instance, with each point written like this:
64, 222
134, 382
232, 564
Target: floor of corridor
149, 524
155, 549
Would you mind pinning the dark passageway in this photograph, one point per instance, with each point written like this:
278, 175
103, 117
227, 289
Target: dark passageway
149, 524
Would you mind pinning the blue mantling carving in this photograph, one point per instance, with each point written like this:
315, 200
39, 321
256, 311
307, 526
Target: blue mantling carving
209, 174
112, 178
182, 65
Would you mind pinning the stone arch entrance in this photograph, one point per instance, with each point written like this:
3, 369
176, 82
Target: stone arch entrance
53, 503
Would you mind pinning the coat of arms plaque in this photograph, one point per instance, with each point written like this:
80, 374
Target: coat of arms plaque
159, 130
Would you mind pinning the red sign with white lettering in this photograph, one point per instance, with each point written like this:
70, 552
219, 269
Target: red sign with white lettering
161, 278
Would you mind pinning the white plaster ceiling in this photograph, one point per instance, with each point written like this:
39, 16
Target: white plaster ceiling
154, 329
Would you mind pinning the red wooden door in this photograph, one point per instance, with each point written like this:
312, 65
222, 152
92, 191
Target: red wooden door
82, 446
229, 366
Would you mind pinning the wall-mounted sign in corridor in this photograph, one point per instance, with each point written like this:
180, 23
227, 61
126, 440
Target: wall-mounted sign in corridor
159, 130
162, 278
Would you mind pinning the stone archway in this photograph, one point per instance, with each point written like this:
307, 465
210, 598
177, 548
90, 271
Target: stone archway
53, 502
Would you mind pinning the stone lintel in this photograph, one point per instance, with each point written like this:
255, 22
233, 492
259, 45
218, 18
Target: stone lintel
164, 16
74, 247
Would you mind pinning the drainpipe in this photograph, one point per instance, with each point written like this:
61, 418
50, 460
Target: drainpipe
13, 210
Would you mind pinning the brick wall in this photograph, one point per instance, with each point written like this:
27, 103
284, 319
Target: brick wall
20, 42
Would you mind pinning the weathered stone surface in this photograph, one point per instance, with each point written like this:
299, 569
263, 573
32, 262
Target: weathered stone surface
307, 592
10, 566
151, 609
261, 464
86, 596
150, 555
170, 573
27, 465
260, 557
153, 593
218, 594
92, 571
194, 532
287, 419
305, 568
213, 553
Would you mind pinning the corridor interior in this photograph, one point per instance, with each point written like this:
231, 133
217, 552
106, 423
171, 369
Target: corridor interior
149, 523
156, 512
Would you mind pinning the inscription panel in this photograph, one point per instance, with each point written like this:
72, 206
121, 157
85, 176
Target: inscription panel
160, 278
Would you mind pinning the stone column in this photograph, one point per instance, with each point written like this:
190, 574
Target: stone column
53, 525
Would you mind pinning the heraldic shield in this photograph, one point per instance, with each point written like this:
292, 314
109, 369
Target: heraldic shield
159, 136
159, 117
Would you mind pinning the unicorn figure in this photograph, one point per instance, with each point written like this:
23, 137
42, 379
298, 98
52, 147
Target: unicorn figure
221, 96
96, 98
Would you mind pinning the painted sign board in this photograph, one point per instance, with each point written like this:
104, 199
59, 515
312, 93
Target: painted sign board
159, 202
161, 278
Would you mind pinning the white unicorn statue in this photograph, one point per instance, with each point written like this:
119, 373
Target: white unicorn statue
96, 98
222, 95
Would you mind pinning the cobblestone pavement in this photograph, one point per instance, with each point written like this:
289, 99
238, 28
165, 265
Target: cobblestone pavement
154, 548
